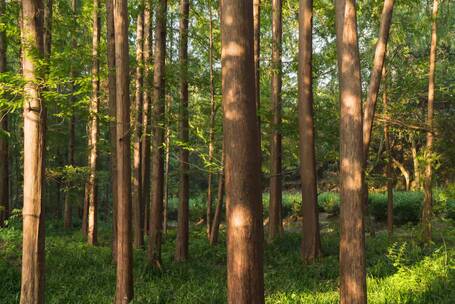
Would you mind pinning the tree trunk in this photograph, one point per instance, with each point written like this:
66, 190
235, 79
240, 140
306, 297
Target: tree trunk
415, 163
124, 285
257, 60
145, 145
32, 281
276, 221
214, 232
110, 36
404, 172
156, 201
427, 187
47, 29
245, 278
352, 234
389, 159
181, 252
167, 159
91, 186
4, 175
211, 127
311, 243
138, 238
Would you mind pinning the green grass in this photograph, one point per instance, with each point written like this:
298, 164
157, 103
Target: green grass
399, 271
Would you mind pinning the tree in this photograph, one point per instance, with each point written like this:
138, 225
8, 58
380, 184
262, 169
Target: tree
156, 201
275, 217
241, 142
389, 157
124, 285
93, 131
138, 238
257, 59
214, 232
311, 243
427, 187
4, 175
352, 234
110, 41
181, 251
32, 285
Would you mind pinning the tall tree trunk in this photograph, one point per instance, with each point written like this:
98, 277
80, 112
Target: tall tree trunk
47, 28
68, 208
214, 232
181, 252
212, 125
427, 187
32, 282
415, 162
311, 243
257, 59
389, 158
245, 277
138, 238
110, 37
145, 145
156, 201
275, 218
4, 175
352, 234
167, 159
124, 285
91, 186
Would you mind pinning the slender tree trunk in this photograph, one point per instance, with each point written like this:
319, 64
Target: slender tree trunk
138, 238
145, 145
311, 243
245, 277
32, 282
275, 218
415, 162
4, 175
47, 28
156, 201
110, 36
212, 125
181, 252
257, 59
124, 286
167, 159
214, 232
389, 159
352, 234
404, 172
427, 187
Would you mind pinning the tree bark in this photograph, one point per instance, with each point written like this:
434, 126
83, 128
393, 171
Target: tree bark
389, 159
167, 159
91, 186
311, 242
145, 145
415, 163
124, 285
32, 285
156, 209
241, 141
276, 221
138, 238
4, 175
257, 60
404, 172
181, 252
427, 183
211, 127
110, 36
352, 234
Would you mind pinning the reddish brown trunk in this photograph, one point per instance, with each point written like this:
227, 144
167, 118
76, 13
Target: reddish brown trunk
156, 201
257, 59
124, 285
32, 281
311, 243
4, 177
145, 145
110, 36
275, 220
427, 187
241, 141
138, 238
181, 252
389, 159
91, 186
352, 234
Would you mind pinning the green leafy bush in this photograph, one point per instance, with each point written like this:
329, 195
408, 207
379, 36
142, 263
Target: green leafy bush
329, 202
406, 206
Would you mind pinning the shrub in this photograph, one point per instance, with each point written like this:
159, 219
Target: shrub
406, 206
329, 202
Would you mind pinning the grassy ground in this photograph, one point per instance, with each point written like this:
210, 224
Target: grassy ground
399, 271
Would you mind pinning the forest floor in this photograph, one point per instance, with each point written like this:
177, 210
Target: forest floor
399, 270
